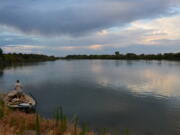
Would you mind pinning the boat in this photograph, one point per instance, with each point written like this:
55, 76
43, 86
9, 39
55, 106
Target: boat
22, 102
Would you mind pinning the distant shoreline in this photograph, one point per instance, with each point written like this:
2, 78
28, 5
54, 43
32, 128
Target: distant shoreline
13, 59
128, 56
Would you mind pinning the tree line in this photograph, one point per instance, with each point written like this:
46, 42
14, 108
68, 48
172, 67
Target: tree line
19, 58
129, 56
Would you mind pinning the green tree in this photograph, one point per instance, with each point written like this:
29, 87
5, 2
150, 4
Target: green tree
117, 53
1, 51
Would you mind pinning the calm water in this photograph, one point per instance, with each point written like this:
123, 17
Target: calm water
143, 96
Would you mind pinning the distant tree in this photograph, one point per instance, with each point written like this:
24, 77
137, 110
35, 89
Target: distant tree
117, 53
1, 51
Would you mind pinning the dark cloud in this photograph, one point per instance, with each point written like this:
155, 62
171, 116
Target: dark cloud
13, 40
76, 17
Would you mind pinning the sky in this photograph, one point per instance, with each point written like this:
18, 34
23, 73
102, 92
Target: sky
63, 27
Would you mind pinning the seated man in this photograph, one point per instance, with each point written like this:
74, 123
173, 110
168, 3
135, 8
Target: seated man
18, 88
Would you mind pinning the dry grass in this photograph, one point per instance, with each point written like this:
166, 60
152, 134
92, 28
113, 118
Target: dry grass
1, 95
20, 123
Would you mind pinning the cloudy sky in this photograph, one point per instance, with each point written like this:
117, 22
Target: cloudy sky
61, 27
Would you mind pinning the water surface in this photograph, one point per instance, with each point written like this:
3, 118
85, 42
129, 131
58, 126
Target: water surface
142, 96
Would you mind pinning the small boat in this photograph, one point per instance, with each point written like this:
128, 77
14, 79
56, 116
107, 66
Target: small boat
22, 102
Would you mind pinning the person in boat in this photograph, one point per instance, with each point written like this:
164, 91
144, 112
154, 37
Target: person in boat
18, 88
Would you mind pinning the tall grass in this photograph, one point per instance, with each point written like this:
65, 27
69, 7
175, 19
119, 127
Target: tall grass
57, 116
37, 125
127, 132
84, 130
104, 132
60, 120
15, 122
1, 108
76, 120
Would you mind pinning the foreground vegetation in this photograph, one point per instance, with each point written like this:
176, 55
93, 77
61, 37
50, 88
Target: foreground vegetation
129, 56
14, 122
14, 58
20, 123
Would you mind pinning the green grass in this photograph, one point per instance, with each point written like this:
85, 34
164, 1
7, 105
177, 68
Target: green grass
76, 120
84, 130
37, 125
60, 120
127, 132
1, 108
24, 122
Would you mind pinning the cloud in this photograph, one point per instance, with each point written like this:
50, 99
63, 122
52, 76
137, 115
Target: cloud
152, 35
164, 28
23, 49
77, 17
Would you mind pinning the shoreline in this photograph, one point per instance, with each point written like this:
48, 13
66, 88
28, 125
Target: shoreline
128, 56
21, 123
13, 59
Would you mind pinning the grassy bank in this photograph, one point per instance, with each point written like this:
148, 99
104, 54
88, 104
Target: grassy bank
15, 59
20, 123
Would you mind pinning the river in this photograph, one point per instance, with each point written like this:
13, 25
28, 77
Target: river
141, 96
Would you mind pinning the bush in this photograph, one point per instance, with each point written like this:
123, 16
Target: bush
1, 51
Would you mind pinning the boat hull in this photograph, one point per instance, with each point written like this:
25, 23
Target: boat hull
28, 106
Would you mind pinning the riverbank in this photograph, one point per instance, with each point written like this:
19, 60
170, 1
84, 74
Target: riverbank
20, 123
12, 59
15, 122
129, 56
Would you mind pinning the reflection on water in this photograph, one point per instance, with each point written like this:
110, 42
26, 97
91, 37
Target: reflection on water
1, 73
142, 96
165, 84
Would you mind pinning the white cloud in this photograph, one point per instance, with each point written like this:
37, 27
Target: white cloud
22, 49
163, 31
165, 28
